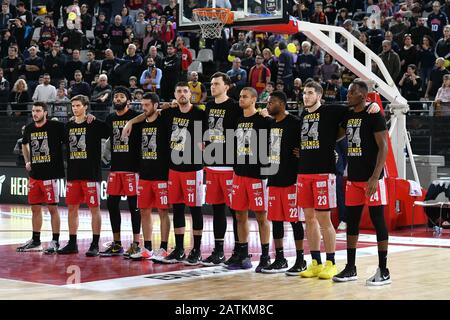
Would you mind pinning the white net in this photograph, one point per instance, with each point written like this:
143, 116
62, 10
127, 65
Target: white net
211, 21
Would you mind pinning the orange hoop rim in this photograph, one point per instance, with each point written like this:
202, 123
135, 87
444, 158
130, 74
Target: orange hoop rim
223, 14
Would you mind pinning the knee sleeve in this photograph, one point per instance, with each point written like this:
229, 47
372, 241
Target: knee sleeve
353, 219
114, 212
299, 233
197, 218
135, 214
219, 221
377, 217
278, 229
178, 216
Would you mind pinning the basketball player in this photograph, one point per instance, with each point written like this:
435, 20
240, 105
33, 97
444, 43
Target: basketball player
122, 180
185, 170
42, 151
316, 180
223, 114
84, 141
282, 190
249, 185
153, 175
367, 151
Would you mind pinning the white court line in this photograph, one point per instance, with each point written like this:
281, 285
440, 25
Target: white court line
208, 272
416, 241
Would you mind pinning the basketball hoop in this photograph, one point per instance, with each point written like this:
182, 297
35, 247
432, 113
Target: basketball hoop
212, 20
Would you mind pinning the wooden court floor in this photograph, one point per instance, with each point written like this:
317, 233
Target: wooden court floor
419, 268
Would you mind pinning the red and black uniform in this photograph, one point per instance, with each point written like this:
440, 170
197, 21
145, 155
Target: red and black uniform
154, 164
316, 180
282, 188
249, 183
46, 161
84, 146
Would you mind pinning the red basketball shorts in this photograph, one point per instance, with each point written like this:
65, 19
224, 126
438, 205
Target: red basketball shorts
316, 191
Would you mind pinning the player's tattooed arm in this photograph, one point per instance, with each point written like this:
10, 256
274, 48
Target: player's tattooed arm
373, 108
126, 131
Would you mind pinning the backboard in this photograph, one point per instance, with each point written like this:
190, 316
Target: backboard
246, 12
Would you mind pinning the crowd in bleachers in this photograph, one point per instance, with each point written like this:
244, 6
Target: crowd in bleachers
60, 48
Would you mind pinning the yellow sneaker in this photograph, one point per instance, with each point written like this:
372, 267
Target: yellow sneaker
329, 271
313, 270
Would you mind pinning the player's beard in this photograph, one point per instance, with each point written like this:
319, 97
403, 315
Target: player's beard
119, 106
150, 113
40, 120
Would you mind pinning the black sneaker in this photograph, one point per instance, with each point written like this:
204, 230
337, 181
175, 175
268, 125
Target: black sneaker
112, 250
194, 258
52, 247
380, 278
242, 263
176, 256
279, 265
348, 274
233, 259
297, 268
30, 246
93, 250
264, 263
68, 249
215, 259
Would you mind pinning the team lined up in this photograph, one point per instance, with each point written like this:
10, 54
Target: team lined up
154, 163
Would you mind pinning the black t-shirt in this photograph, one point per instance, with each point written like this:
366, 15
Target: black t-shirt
84, 149
362, 146
182, 138
155, 152
124, 152
318, 139
283, 140
221, 117
46, 154
249, 158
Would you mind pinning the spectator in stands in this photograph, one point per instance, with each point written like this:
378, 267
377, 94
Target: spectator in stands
411, 86
134, 7
306, 64
198, 90
131, 63
104, 7
408, 53
169, 9
101, 97
48, 31
342, 16
328, 68
73, 65
348, 25
54, 63
390, 37
24, 14
442, 100
86, 18
101, 34
436, 79
285, 67
79, 86
4, 93
185, 56
347, 77
442, 48
5, 16
390, 59
318, 16
61, 105
330, 11
127, 20
161, 45
238, 78
248, 61
6, 41
167, 31
271, 63
108, 63
151, 77
72, 40
420, 30
156, 6
140, 25
170, 73
19, 97
20, 161
259, 75
45, 92
436, 21
264, 96
117, 37
90, 68
33, 68
132, 84
238, 48
11, 64
149, 35
398, 28
426, 58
